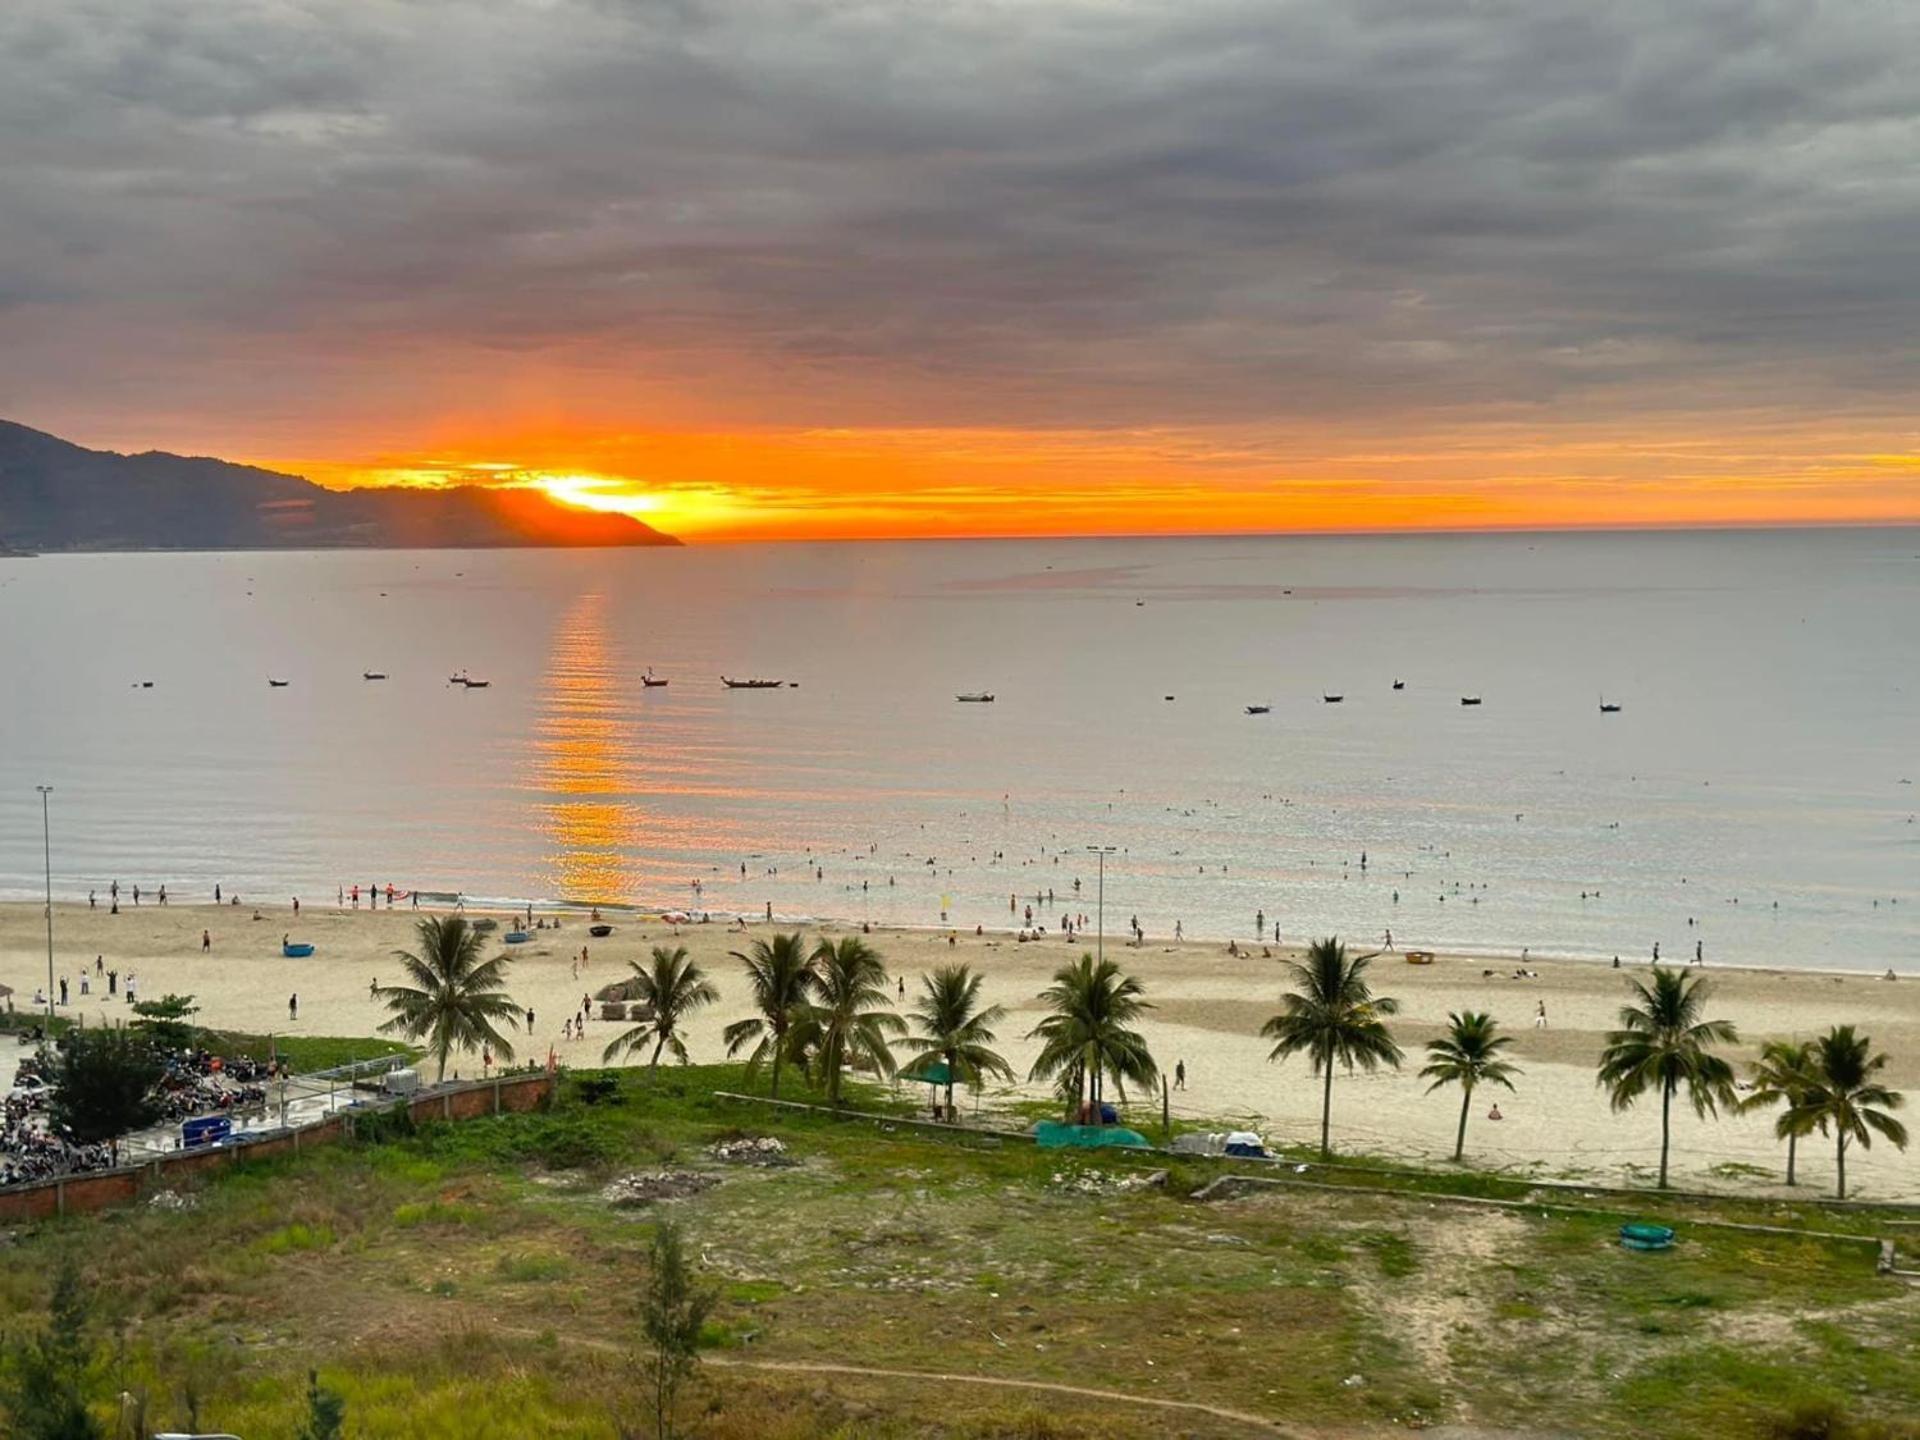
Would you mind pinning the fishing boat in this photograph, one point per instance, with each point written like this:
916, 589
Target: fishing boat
1469, 699
278, 684
473, 684
1333, 699
976, 697
1399, 684
650, 682
1258, 709
751, 684
295, 949
1609, 707
516, 937
372, 675
459, 677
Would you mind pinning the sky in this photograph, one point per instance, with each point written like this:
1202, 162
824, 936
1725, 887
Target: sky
797, 268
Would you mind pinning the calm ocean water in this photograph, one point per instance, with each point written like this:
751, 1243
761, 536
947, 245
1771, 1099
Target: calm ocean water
1755, 781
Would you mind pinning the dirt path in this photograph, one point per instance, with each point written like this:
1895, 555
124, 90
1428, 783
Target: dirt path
936, 1377
1119, 1397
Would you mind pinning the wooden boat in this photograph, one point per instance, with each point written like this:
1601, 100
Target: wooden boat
458, 678
1399, 684
1607, 708
1333, 699
651, 683
278, 684
295, 949
516, 937
751, 684
1419, 957
1469, 699
372, 675
976, 697
476, 684
600, 931
1258, 709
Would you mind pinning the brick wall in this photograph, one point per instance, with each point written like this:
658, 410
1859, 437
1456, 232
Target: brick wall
82, 1194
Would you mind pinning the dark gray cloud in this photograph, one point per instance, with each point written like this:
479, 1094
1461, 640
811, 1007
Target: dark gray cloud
898, 212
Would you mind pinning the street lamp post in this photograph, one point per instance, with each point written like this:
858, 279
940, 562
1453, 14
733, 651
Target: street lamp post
46, 838
1100, 904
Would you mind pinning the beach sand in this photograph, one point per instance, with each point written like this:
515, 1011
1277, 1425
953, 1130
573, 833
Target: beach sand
1209, 1007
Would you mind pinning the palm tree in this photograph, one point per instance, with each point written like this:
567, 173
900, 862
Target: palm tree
455, 998
672, 987
782, 978
1466, 1056
1333, 1014
955, 1030
849, 1022
1841, 1092
1779, 1077
1086, 1038
1666, 1042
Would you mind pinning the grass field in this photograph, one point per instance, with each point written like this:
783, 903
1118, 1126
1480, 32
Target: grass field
472, 1280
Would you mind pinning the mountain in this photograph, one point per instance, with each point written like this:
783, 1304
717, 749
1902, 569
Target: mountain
59, 496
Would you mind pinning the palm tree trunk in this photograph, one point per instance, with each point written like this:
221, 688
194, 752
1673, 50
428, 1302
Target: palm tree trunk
1460, 1140
1666, 1107
778, 1046
1840, 1159
659, 1044
1793, 1142
1326, 1114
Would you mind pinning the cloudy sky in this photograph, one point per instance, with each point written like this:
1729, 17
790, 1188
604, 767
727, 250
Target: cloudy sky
922, 266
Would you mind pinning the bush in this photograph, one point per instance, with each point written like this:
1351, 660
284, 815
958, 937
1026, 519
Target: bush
105, 1083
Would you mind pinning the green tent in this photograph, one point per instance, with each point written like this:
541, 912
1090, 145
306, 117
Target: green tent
1050, 1135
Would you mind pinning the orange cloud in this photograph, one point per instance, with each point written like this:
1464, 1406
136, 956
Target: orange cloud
816, 484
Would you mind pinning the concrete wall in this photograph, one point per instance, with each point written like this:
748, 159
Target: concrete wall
81, 1194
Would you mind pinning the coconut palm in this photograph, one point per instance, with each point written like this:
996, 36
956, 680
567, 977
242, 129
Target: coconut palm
1779, 1077
1842, 1093
781, 975
672, 987
1468, 1055
954, 1028
1087, 1037
1666, 1042
1333, 1015
456, 997
849, 1021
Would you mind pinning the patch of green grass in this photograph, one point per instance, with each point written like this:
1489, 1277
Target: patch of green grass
433, 1212
298, 1236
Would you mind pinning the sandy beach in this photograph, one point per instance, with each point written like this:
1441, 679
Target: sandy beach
1209, 1007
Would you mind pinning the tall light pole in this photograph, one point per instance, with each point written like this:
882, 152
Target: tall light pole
46, 837
1100, 905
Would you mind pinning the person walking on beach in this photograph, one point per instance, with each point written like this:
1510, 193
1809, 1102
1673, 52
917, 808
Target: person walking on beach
529, 1020
356, 896
1540, 1016
296, 907
1389, 939
216, 893
63, 989
1179, 1074
113, 891
163, 894
99, 965
93, 901
206, 941
1699, 952
1656, 952
293, 1006
113, 982
1177, 932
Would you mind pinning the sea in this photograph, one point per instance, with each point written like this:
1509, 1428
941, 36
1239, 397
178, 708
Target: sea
1753, 795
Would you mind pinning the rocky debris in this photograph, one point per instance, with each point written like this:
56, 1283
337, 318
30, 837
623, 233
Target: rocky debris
173, 1200
644, 1187
763, 1150
1099, 1182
